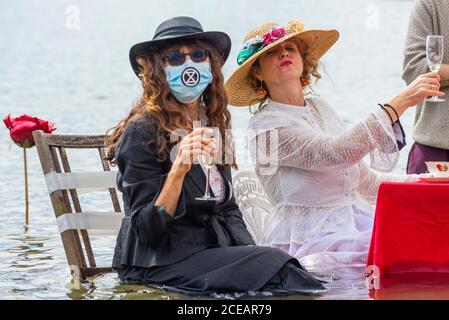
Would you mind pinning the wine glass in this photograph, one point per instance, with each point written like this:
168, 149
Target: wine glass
208, 161
434, 52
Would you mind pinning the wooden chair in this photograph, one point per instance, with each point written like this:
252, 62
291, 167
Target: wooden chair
64, 186
252, 201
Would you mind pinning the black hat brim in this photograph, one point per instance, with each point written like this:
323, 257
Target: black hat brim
220, 40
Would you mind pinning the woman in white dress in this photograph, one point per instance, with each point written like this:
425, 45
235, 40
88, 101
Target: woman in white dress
309, 163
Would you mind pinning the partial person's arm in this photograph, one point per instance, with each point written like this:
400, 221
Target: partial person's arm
168, 198
142, 182
301, 146
370, 181
189, 148
421, 25
298, 145
305, 148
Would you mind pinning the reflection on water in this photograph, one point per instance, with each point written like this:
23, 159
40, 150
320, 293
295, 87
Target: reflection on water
413, 286
412, 292
34, 267
31, 270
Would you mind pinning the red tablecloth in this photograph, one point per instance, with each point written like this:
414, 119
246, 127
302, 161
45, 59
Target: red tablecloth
411, 229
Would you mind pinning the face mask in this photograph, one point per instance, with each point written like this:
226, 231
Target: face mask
188, 81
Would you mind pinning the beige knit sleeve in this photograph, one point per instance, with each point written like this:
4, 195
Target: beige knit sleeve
420, 26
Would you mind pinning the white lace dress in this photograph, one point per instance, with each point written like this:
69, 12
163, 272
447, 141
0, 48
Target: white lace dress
322, 191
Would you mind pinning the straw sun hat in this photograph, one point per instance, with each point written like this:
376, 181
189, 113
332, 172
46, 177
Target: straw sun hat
261, 39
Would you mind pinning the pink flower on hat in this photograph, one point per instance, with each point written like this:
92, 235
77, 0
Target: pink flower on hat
273, 35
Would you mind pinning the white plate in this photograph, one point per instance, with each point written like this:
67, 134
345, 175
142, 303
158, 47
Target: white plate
435, 179
438, 169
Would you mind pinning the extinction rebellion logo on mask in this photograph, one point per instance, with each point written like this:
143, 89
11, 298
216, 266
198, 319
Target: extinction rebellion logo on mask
190, 77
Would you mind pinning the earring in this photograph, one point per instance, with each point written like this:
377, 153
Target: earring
261, 90
304, 82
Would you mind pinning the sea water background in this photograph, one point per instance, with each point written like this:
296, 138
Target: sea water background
78, 76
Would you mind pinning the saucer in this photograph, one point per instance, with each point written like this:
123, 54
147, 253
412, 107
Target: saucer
435, 179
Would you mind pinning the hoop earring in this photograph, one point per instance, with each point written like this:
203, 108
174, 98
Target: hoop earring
261, 90
304, 82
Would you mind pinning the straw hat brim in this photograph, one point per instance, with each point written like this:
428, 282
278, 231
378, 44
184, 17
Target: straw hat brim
238, 87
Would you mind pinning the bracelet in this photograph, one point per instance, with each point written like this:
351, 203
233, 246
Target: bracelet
395, 112
386, 111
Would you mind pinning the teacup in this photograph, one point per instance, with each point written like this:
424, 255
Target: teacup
438, 169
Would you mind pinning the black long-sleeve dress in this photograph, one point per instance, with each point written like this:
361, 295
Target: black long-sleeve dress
205, 247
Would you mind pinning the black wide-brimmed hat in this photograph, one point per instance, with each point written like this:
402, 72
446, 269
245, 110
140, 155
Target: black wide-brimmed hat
179, 28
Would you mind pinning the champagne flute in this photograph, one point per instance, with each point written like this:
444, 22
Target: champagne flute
208, 161
434, 52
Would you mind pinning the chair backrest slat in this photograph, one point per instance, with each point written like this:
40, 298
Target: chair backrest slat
76, 141
82, 181
77, 206
106, 221
112, 191
66, 166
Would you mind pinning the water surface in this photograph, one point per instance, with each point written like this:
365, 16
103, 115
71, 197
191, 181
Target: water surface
81, 80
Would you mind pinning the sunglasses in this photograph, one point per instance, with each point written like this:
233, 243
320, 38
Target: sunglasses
178, 58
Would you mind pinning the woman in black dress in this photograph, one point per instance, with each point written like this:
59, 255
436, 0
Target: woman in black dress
168, 238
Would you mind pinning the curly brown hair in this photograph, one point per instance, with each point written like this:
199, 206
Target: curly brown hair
310, 68
159, 105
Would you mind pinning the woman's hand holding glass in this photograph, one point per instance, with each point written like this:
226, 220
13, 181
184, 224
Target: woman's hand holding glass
416, 92
199, 142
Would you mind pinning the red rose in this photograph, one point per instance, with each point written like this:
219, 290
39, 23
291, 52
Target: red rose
273, 35
21, 129
278, 33
267, 39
